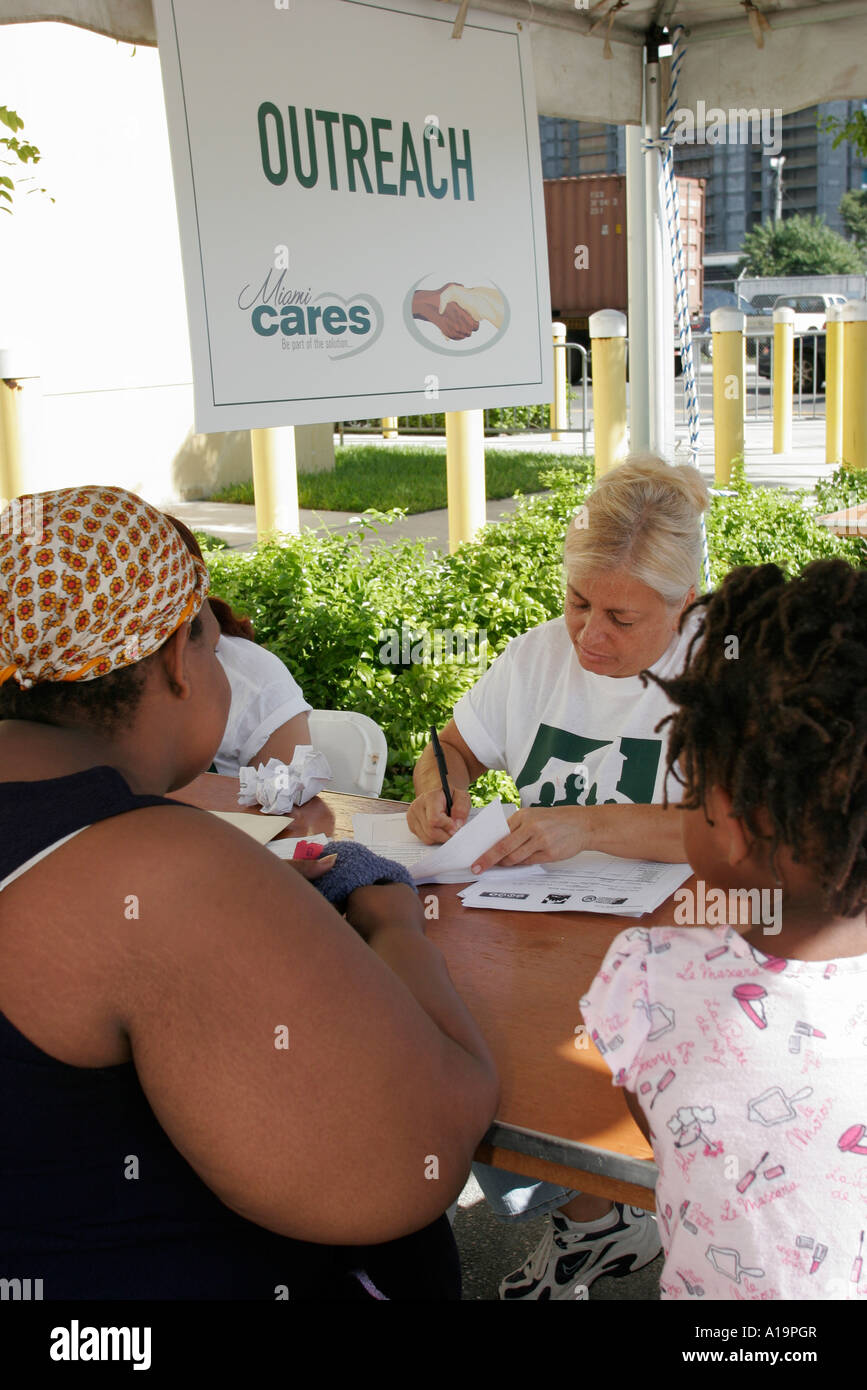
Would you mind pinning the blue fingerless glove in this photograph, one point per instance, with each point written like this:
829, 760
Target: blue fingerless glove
357, 867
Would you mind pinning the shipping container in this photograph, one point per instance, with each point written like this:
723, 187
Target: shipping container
586, 218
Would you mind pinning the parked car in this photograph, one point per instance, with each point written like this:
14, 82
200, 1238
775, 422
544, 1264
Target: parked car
764, 303
809, 359
810, 309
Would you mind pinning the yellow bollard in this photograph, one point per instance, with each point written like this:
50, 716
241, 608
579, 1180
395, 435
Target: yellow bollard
275, 482
854, 318
833, 386
15, 373
11, 478
465, 470
389, 426
784, 366
560, 403
727, 327
608, 347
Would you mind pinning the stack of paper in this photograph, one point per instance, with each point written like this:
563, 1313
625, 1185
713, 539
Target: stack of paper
589, 882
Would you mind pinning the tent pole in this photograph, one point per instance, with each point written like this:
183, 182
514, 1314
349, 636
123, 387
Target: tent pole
660, 283
636, 254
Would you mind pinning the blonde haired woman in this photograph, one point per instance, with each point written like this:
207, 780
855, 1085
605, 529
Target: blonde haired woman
564, 712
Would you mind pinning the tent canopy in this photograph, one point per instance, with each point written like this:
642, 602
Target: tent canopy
811, 51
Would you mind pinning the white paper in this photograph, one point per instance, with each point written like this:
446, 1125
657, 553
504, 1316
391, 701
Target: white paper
448, 863
254, 826
278, 786
589, 882
375, 831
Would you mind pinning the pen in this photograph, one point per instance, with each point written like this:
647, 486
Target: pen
441, 764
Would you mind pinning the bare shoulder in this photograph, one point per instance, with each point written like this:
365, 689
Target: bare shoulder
271, 1042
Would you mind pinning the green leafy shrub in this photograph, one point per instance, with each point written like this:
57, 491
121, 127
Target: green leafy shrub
758, 525
845, 488
326, 605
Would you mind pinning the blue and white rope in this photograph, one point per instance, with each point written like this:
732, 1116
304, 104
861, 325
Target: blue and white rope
664, 143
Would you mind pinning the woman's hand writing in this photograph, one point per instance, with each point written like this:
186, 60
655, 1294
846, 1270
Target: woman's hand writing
427, 816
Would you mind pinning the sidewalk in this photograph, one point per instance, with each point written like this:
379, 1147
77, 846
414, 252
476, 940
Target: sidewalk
801, 468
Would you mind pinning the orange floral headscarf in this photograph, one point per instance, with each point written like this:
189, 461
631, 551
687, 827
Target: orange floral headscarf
97, 580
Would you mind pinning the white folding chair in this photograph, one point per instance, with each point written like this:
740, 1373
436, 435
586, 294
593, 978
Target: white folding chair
355, 747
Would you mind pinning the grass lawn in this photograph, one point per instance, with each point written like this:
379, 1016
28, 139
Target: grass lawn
366, 475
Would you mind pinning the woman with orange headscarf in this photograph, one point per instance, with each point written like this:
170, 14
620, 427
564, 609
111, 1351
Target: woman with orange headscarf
180, 1015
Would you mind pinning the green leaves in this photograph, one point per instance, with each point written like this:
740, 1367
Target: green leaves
855, 130
10, 119
758, 525
24, 153
799, 245
853, 213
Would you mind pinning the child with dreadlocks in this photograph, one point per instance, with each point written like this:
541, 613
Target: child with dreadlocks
744, 1055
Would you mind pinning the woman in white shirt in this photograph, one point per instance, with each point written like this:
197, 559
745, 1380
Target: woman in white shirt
268, 713
564, 711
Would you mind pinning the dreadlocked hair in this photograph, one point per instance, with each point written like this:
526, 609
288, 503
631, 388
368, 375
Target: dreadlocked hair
773, 707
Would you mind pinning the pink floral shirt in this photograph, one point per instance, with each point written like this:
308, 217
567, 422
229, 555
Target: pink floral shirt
752, 1072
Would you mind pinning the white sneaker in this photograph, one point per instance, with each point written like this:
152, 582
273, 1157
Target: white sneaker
569, 1256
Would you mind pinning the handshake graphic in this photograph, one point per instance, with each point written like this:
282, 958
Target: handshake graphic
456, 310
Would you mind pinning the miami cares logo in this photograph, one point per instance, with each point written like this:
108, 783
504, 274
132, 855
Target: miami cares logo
345, 326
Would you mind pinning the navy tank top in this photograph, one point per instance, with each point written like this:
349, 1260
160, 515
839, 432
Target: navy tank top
94, 1199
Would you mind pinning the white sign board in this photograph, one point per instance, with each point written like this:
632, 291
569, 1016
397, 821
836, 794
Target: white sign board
360, 205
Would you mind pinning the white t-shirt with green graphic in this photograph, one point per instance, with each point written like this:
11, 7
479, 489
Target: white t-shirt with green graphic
538, 715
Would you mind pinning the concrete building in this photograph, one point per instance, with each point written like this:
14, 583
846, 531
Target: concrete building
740, 182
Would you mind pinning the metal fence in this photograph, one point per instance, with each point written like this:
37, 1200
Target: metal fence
808, 398
808, 391
500, 420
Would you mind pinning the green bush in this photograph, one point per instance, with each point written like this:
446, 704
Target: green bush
758, 525
845, 488
325, 604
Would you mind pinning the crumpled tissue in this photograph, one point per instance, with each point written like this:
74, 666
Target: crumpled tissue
277, 787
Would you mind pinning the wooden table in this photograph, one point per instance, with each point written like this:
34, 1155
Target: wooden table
521, 975
851, 521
